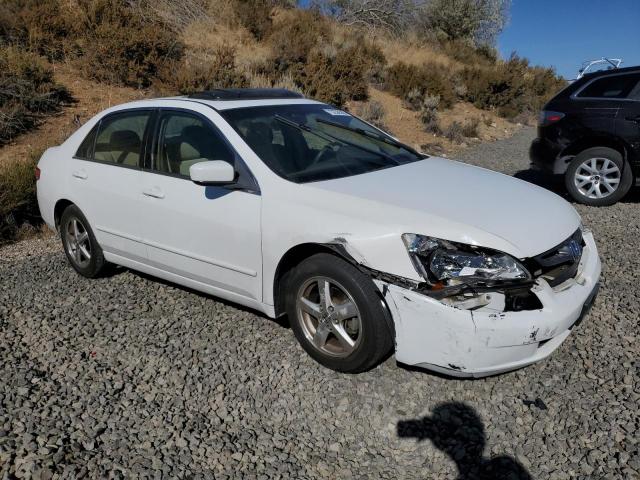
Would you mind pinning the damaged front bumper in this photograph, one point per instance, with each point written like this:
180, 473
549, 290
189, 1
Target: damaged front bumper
485, 341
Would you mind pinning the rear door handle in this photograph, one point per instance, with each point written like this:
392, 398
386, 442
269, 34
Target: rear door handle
634, 119
81, 174
154, 192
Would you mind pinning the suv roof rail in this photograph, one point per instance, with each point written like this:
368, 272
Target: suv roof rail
609, 63
245, 94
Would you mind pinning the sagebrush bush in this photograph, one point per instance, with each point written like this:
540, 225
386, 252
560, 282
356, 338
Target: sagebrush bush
125, 48
430, 121
511, 87
18, 204
466, 52
404, 80
372, 112
195, 75
331, 72
470, 128
293, 38
27, 92
457, 131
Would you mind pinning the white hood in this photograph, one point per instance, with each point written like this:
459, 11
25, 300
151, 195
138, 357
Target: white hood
457, 202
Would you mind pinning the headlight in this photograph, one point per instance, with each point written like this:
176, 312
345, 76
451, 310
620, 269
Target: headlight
449, 263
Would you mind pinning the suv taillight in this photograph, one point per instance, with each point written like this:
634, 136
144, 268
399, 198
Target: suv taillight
547, 117
37, 174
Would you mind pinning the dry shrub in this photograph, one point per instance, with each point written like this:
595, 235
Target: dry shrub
42, 26
295, 35
18, 203
458, 131
372, 112
467, 53
454, 132
27, 92
470, 128
178, 14
511, 87
429, 114
406, 80
196, 75
255, 16
430, 122
304, 46
124, 48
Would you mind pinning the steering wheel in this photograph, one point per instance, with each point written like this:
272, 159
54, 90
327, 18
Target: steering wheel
320, 156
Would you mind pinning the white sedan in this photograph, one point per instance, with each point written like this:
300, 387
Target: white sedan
291, 206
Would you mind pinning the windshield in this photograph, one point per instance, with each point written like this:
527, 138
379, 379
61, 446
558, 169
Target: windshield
309, 143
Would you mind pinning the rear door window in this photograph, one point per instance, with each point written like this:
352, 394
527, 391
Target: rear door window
120, 138
614, 87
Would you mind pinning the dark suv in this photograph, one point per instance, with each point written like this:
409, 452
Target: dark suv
590, 133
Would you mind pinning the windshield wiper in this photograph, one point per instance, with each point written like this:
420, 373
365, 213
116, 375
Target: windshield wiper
329, 137
370, 134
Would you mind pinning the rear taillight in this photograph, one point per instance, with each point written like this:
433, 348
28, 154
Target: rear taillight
547, 117
37, 174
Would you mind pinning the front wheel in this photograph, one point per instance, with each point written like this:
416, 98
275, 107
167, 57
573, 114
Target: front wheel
598, 177
337, 314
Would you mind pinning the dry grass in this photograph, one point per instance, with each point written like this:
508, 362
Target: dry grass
414, 52
203, 38
406, 124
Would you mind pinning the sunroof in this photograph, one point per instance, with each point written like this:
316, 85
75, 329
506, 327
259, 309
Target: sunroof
245, 94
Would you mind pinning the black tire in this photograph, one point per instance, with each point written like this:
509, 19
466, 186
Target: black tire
375, 338
87, 267
625, 179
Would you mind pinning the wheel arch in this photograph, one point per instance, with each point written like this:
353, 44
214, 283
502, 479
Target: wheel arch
292, 257
295, 255
585, 143
58, 210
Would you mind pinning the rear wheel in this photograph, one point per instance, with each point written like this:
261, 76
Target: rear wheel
337, 314
598, 177
80, 244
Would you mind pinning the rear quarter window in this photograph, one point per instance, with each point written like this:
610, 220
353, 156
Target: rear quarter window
85, 151
612, 87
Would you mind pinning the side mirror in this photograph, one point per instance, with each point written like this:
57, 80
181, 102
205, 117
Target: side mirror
214, 172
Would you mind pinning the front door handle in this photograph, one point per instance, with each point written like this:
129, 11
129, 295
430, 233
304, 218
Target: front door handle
81, 174
154, 192
634, 119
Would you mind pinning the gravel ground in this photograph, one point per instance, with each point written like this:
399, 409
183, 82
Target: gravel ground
127, 376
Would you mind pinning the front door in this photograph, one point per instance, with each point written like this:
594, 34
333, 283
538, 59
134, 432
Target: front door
210, 235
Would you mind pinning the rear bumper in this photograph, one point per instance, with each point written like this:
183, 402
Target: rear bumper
477, 343
543, 156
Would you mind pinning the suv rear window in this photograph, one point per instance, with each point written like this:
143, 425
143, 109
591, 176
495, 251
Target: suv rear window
614, 86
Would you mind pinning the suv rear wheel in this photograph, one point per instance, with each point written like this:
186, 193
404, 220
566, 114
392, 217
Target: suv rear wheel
337, 314
598, 177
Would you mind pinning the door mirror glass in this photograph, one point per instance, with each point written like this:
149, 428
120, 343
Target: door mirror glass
213, 172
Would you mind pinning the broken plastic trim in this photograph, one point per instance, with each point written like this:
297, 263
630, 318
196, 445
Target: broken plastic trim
423, 287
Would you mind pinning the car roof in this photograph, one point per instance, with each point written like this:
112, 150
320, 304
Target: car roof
613, 71
218, 105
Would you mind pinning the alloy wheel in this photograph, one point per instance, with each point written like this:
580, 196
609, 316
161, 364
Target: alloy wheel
78, 242
329, 317
597, 177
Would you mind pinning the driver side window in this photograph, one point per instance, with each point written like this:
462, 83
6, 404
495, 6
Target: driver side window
185, 140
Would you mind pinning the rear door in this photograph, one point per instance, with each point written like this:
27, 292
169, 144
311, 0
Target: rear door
210, 235
628, 125
106, 181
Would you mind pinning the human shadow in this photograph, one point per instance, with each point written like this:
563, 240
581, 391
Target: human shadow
456, 429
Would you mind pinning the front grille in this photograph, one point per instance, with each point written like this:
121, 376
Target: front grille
560, 263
